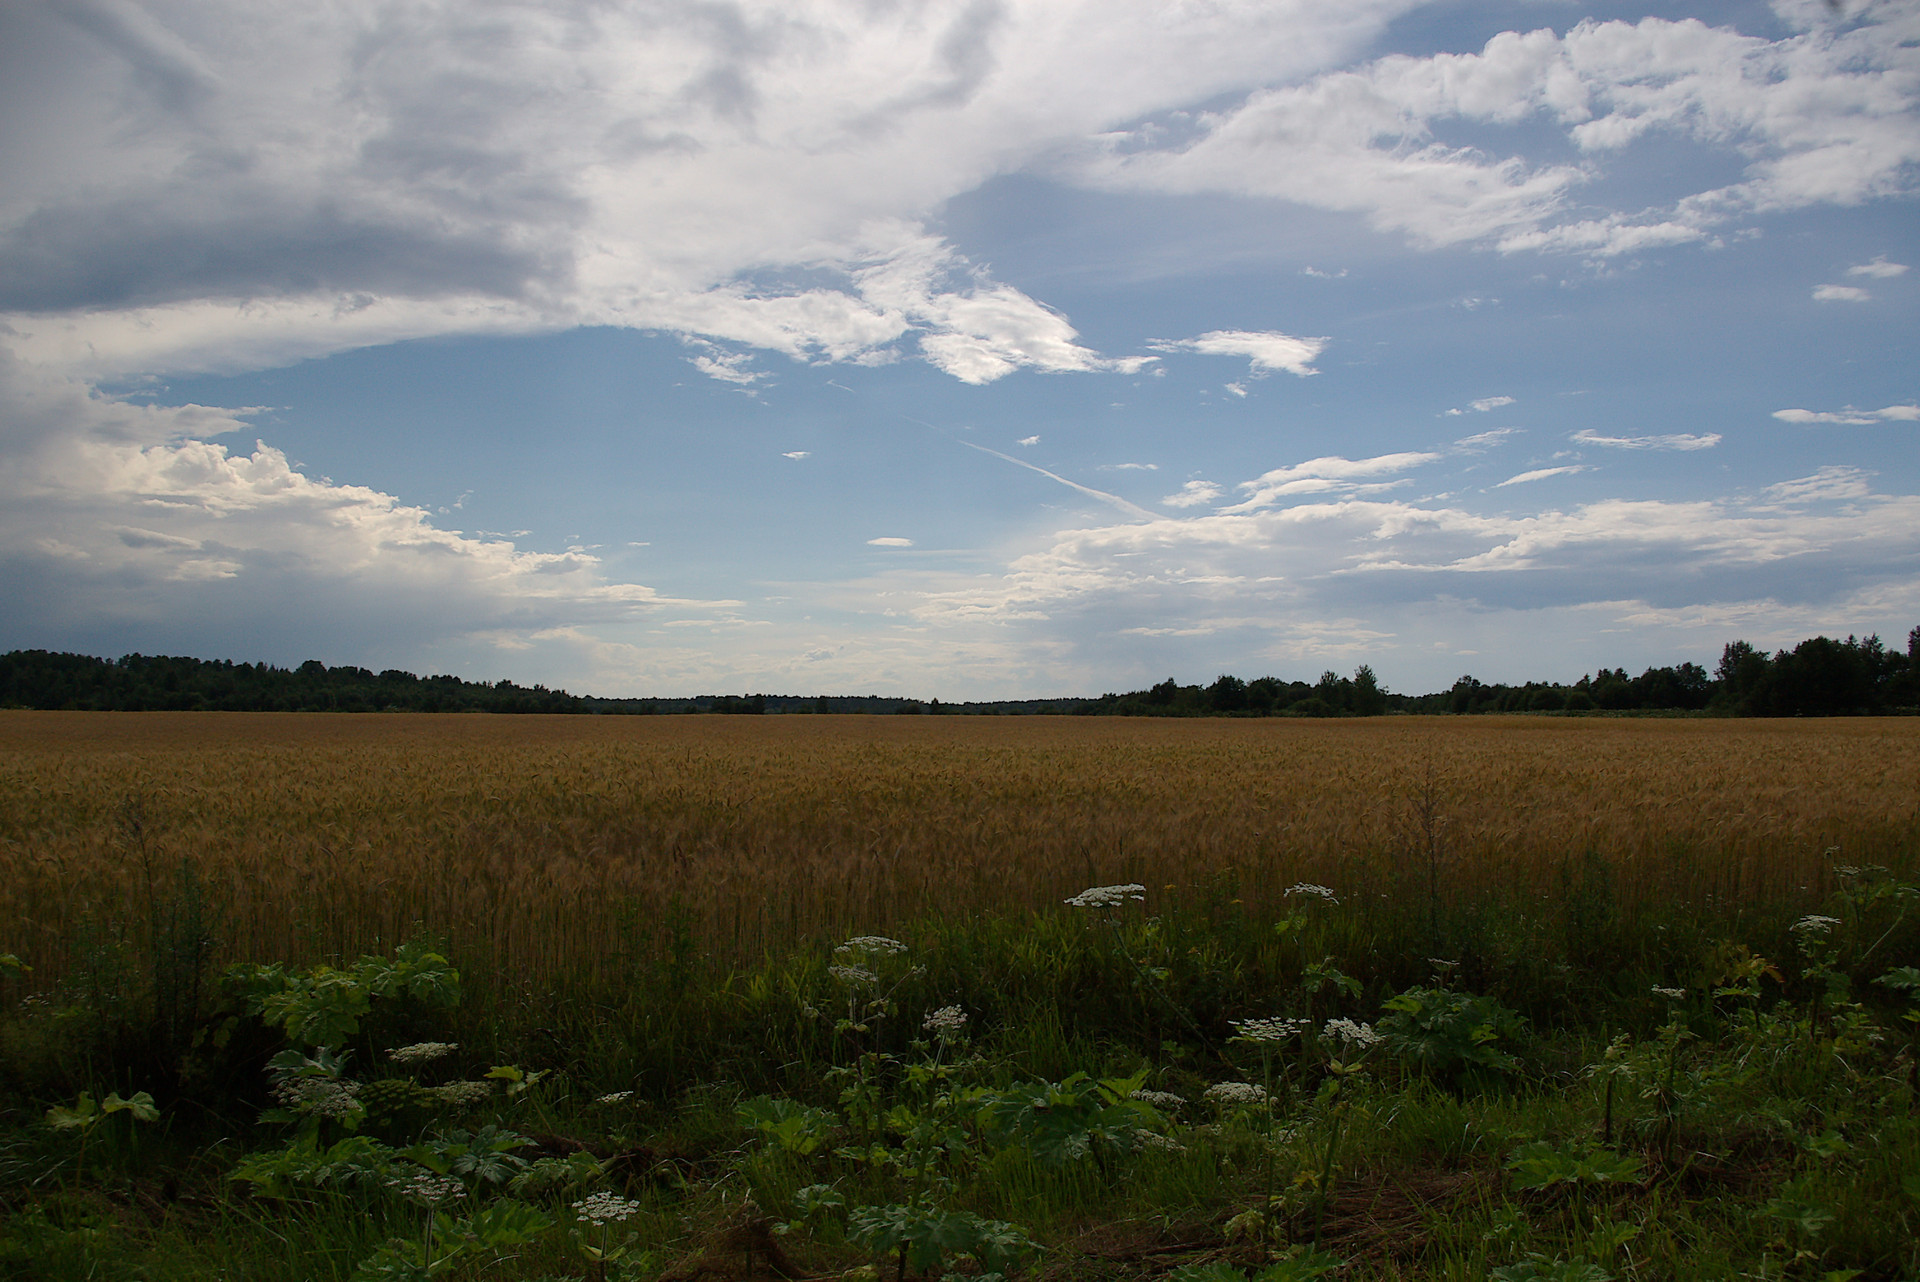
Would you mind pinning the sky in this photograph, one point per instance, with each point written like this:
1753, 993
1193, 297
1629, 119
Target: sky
967, 349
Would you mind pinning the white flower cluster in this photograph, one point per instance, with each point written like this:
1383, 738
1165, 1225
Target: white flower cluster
1671, 994
1156, 1142
1815, 924
853, 976
614, 1097
1269, 1030
421, 1052
1165, 1101
320, 1096
1308, 888
1234, 1094
429, 1190
872, 946
462, 1094
602, 1209
1355, 1036
946, 1023
1109, 896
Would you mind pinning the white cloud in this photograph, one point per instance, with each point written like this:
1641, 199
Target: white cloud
1828, 484
1129, 467
1858, 418
116, 516
1539, 474
1238, 389
1825, 116
1808, 545
217, 184
1028, 440
1266, 350
1879, 268
1483, 440
1481, 406
890, 541
1840, 294
1330, 475
1670, 441
797, 454
1193, 494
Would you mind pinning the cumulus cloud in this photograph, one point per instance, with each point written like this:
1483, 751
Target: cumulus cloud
1802, 544
1669, 441
1825, 116
123, 519
1265, 350
1840, 294
1879, 268
1857, 418
1193, 494
217, 184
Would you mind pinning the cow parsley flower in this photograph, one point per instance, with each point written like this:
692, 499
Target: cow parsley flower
1165, 1101
462, 1094
1354, 1036
1308, 888
320, 1096
1156, 1142
1108, 896
1671, 994
1235, 1094
854, 976
602, 1209
614, 1097
1815, 924
421, 1052
428, 1189
1268, 1030
872, 946
946, 1023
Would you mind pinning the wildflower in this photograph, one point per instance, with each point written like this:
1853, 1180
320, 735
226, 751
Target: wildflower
615, 1097
1441, 963
1308, 888
872, 946
320, 1096
853, 976
421, 1052
463, 1093
428, 1190
602, 1209
1108, 896
946, 1023
1815, 924
1233, 1094
1145, 1139
1354, 1036
1671, 994
1268, 1030
1165, 1101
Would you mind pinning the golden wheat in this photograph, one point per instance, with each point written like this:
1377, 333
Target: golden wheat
554, 844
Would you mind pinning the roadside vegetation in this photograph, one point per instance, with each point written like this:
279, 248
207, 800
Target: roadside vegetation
1211, 1002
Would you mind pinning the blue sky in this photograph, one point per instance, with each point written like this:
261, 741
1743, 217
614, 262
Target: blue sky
957, 348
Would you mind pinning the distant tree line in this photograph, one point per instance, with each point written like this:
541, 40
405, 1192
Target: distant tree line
1819, 677
157, 683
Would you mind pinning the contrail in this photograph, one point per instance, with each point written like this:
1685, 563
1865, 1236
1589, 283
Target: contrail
1131, 509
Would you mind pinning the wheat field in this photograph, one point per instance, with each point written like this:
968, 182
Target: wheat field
545, 844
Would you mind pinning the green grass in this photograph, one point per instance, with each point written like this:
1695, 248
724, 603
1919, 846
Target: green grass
1762, 1125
